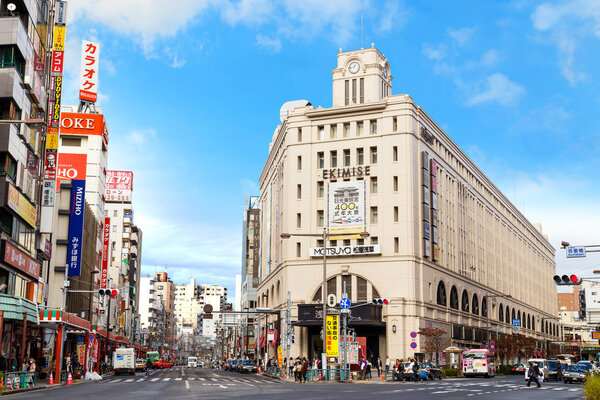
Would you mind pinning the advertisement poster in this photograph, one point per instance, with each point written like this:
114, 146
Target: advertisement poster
332, 335
346, 209
106, 239
88, 78
71, 166
279, 356
119, 185
76, 227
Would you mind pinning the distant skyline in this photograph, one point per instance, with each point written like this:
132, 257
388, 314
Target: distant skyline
192, 93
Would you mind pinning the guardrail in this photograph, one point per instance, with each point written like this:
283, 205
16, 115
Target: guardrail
19, 380
329, 374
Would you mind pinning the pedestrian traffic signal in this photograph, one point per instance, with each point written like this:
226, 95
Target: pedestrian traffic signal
381, 301
108, 292
582, 312
293, 339
567, 280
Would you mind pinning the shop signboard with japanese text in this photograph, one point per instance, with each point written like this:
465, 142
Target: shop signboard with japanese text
105, 242
19, 204
71, 166
119, 185
88, 78
346, 209
332, 324
74, 249
21, 261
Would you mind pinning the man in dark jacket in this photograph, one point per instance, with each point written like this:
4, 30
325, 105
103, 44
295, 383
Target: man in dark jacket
533, 373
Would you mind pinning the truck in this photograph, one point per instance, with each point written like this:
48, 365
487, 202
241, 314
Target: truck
124, 360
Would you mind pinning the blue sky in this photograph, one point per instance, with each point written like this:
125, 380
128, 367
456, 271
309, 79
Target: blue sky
192, 89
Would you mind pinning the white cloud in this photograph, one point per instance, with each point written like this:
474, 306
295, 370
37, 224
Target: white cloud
566, 25
434, 52
461, 36
246, 11
393, 15
499, 90
490, 58
268, 44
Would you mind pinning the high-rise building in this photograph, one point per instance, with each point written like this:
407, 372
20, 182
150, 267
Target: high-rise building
165, 289
445, 245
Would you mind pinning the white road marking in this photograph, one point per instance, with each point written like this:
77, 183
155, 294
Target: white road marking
187, 385
154, 379
191, 378
201, 379
166, 379
178, 379
129, 380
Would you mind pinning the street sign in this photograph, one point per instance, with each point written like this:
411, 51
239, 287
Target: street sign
595, 335
345, 303
331, 300
575, 251
516, 322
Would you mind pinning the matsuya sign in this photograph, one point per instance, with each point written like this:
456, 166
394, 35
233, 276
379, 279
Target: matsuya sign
346, 250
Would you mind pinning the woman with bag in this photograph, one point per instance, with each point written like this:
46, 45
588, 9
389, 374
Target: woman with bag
534, 374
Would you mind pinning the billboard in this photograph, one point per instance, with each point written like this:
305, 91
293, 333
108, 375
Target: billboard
83, 124
19, 204
105, 242
74, 248
88, 78
71, 166
332, 325
21, 261
346, 209
119, 185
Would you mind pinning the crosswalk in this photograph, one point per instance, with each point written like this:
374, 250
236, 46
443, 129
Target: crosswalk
207, 380
476, 389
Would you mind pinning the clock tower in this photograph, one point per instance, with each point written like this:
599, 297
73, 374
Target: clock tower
362, 76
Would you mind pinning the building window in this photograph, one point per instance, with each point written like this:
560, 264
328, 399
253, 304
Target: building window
373, 124
346, 130
465, 301
298, 249
362, 90
320, 218
353, 91
114, 228
299, 163
320, 243
395, 153
360, 127
374, 240
475, 304
298, 191
321, 133
333, 133
333, 159
321, 159
374, 155
298, 220
346, 157
333, 243
115, 213
299, 134
360, 156
347, 92
360, 242
361, 289
441, 294
347, 280
320, 189
395, 183
373, 184
396, 245
374, 215
454, 298
395, 213
346, 242
395, 124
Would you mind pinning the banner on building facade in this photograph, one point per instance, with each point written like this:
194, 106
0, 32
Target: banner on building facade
119, 185
88, 78
332, 335
74, 249
346, 209
105, 242
71, 166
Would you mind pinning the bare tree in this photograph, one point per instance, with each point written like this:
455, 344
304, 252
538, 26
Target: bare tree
434, 339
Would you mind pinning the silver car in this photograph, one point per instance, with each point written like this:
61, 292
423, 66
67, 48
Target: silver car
575, 373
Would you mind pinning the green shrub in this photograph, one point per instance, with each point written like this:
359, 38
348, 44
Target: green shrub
446, 372
503, 369
591, 389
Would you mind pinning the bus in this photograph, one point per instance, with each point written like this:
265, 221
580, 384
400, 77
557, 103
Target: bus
192, 362
567, 358
478, 363
153, 356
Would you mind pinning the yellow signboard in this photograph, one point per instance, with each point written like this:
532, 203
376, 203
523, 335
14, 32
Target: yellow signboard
279, 356
332, 335
59, 38
595, 335
51, 141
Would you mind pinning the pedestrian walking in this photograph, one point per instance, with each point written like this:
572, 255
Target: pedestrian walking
387, 363
368, 367
379, 367
534, 374
148, 366
304, 369
415, 370
290, 366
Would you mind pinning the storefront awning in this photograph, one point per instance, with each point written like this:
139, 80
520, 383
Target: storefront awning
73, 322
15, 308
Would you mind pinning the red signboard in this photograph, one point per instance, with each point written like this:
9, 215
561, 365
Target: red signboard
119, 185
57, 62
71, 166
106, 239
21, 261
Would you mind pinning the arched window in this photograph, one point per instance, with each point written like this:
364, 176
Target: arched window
532, 323
454, 298
484, 310
501, 313
528, 321
475, 304
465, 301
441, 294
507, 314
546, 327
519, 316
513, 315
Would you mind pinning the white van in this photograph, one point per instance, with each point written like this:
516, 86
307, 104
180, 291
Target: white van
124, 360
542, 364
192, 362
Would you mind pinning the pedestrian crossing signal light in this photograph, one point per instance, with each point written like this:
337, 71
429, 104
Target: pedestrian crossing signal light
567, 280
381, 301
293, 339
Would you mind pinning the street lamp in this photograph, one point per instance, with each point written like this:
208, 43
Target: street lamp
325, 237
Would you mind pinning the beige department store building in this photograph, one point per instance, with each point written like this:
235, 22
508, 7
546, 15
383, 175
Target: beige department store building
446, 246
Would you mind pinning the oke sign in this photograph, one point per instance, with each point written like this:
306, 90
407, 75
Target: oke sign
88, 79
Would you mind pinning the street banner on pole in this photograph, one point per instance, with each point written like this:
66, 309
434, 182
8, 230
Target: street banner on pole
332, 335
279, 356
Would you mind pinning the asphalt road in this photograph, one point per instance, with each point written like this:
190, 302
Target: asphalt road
185, 383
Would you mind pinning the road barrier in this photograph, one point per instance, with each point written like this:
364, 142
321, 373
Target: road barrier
329, 374
19, 380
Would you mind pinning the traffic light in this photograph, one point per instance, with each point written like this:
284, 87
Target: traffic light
582, 304
108, 292
567, 280
381, 301
293, 338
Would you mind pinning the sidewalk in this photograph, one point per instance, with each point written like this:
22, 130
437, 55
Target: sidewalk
43, 384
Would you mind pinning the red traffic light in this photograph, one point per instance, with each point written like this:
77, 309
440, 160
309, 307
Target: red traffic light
574, 278
114, 292
381, 301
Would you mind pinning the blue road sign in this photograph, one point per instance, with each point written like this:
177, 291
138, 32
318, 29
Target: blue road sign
345, 303
516, 322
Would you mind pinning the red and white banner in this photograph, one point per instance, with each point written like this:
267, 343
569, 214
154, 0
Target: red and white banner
119, 185
106, 240
88, 78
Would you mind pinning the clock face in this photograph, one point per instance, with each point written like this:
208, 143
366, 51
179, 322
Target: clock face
354, 67
384, 72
